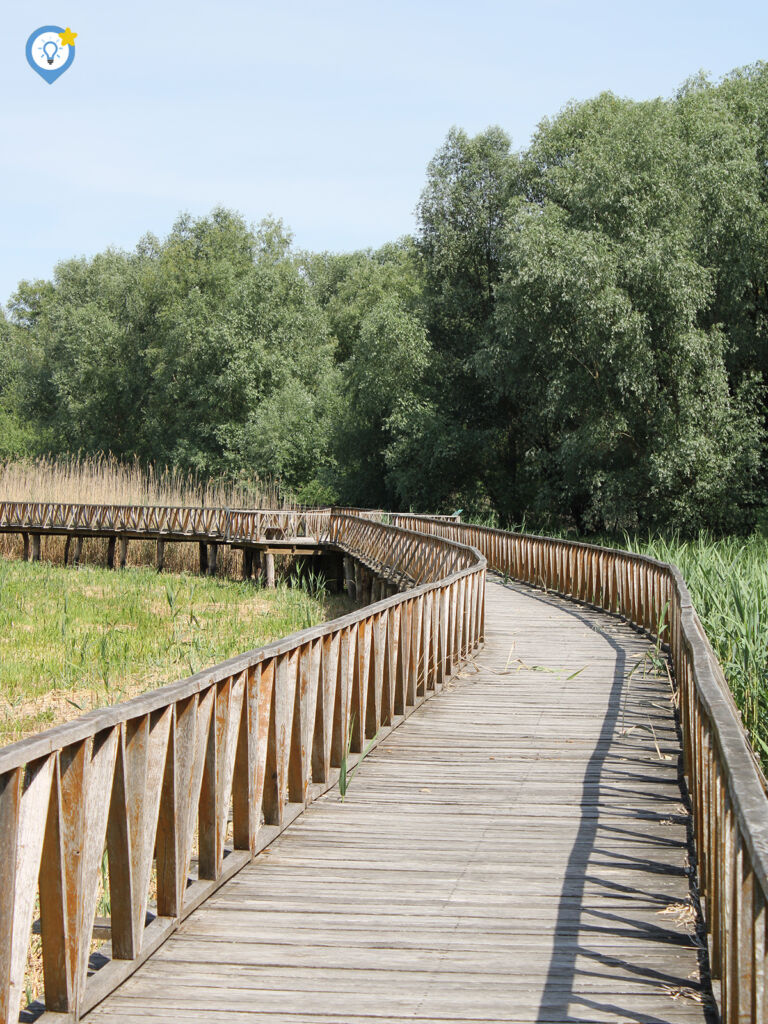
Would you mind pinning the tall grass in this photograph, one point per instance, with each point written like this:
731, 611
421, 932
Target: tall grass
72, 641
106, 480
728, 581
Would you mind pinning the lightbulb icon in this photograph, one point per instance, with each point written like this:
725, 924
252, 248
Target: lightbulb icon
50, 51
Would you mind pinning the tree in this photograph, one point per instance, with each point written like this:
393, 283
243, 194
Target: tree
463, 437
605, 335
382, 378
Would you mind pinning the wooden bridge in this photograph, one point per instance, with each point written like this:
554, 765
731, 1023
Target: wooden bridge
574, 828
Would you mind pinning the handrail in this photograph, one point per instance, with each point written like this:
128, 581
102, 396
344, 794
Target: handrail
252, 741
430, 555
180, 521
726, 786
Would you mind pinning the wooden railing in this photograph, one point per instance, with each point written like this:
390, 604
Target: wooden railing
213, 524
209, 769
253, 740
726, 786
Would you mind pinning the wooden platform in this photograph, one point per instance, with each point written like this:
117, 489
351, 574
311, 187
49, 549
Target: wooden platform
517, 851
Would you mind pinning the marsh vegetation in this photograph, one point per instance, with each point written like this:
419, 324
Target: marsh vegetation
75, 639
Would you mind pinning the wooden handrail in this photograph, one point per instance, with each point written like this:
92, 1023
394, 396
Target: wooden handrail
247, 728
726, 785
228, 525
252, 741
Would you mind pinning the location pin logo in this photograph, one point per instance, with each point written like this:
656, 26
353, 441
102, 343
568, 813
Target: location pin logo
50, 51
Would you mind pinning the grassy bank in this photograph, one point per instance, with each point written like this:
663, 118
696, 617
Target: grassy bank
72, 640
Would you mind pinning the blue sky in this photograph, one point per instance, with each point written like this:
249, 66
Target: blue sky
323, 113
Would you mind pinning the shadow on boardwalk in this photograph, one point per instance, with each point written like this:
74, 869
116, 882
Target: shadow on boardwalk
561, 993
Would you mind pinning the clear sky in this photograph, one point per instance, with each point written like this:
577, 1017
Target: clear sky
322, 112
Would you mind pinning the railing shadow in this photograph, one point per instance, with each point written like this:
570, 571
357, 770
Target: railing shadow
560, 999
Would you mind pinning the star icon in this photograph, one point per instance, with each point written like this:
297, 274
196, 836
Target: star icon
67, 37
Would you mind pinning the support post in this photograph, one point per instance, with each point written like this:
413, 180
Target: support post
35, 547
67, 544
203, 557
269, 564
213, 554
78, 551
349, 578
160, 554
25, 541
123, 551
247, 563
111, 552
334, 571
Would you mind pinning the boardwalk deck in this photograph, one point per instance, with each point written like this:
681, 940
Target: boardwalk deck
517, 851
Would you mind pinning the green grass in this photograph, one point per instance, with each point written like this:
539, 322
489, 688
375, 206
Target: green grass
75, 639
728, 581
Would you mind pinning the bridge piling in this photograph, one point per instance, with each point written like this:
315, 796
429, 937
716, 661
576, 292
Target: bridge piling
111, 552
67, 544
35, 547
160, 560
269, 568
349, 578
25, 542
123, 551
78, 551
213, 555
247, 563
203, 548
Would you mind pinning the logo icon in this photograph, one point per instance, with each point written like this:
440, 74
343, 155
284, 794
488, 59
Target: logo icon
50, 51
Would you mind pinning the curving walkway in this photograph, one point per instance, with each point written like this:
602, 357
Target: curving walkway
517, 851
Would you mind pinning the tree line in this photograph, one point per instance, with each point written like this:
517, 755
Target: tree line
577, 333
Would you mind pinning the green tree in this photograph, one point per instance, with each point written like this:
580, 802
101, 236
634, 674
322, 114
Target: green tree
606, 341
381, 381
461, 435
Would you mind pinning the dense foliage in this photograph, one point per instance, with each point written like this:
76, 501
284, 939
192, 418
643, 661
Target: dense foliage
577, 333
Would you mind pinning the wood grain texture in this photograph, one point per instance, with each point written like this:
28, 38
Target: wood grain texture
517, 852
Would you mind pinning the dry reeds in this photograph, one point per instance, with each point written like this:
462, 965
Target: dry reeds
106, 480
103, 479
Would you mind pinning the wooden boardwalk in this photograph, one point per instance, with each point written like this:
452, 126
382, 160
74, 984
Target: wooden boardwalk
517, 851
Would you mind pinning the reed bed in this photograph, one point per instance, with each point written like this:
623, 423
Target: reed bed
728, 581
106, 480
